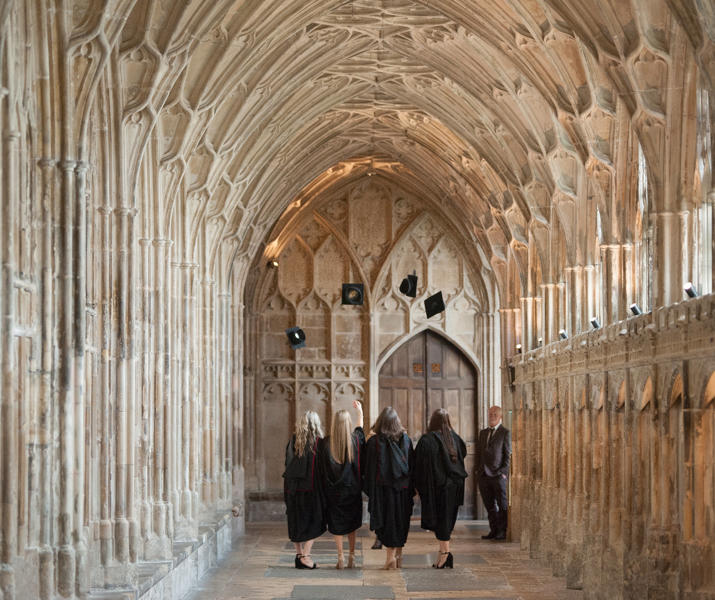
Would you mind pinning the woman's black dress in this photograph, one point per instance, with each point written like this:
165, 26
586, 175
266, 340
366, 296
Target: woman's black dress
388, 484
342, 485
303, 495
440, 482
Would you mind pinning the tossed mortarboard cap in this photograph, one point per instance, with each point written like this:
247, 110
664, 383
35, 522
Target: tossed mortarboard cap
434, 304
296, 337
353, 293
409, 286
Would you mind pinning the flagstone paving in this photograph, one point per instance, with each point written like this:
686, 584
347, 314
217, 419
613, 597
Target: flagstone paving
260, 566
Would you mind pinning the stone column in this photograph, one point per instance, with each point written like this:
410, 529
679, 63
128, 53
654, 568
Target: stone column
239, 443
104, 388
125, 525
80, 339
45, 416
145, 333
668, 273
530, 322
66, 566
224, 393
550, 311
634, 281
575, 304
209, 476
612, 284
592, 294
8, 372
187, 420
162, 518
510, 322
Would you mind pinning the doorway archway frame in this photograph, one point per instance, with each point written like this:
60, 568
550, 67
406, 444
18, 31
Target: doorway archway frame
376, 367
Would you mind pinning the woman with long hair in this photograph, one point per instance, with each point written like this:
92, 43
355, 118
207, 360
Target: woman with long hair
340, 458
439, 477
388, 484
301, 489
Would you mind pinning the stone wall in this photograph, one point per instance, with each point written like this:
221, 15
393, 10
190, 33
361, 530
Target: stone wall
371, 232
614, 466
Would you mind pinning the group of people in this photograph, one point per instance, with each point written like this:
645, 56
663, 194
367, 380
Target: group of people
326, 476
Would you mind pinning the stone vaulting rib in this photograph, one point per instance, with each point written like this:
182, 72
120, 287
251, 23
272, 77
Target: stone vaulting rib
543, 161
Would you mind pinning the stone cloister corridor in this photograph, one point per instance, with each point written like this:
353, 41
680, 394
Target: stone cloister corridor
542, 163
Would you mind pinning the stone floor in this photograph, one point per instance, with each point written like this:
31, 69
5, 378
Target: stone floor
261, 566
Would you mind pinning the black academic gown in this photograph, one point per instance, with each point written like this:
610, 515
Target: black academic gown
303, 495
388, 484
342, 485
440, 482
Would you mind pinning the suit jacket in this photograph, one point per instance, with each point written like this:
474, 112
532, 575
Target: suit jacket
493, 459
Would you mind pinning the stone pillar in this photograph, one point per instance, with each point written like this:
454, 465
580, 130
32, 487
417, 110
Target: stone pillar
187, 451
634, 281
238, 408
510, 321
209, 475
80, 339
66, 566
45, 416
162, 518
125, 525
575, 304
530, 322
668, 272
145, 337
105, 389
8, 371
551, 311
592, 294
613, 284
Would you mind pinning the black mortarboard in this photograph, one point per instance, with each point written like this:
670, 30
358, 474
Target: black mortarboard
296, 337
409, 286
353, 293
434, 304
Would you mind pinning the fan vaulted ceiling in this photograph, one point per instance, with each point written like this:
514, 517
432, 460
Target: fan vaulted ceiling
504, 111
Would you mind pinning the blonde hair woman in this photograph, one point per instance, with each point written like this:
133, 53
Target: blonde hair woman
301, 489
340, 463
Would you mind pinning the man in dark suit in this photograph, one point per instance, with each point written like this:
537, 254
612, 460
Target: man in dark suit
492, 460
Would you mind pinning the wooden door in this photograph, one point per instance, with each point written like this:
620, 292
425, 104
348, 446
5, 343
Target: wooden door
428, 372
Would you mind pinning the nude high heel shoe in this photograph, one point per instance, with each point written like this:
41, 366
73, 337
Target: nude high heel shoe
390, 562
351, 560
341, 562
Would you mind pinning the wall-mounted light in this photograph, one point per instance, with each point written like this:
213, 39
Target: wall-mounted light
635, 309
594, 323
518, 348
272, 264
562, 334
539, 342
690, 290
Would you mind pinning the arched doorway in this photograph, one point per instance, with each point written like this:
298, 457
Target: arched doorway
429, 372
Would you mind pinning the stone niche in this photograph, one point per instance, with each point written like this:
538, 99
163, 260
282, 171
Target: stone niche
372, 233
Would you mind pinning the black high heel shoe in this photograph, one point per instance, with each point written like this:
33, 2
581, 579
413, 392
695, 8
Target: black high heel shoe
299, 564
447, 564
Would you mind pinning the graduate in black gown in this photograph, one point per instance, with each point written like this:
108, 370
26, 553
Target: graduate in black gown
439, 478
388, 484
340, 461
302, 489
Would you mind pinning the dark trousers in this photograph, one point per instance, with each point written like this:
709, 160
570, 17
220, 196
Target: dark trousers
493, 491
